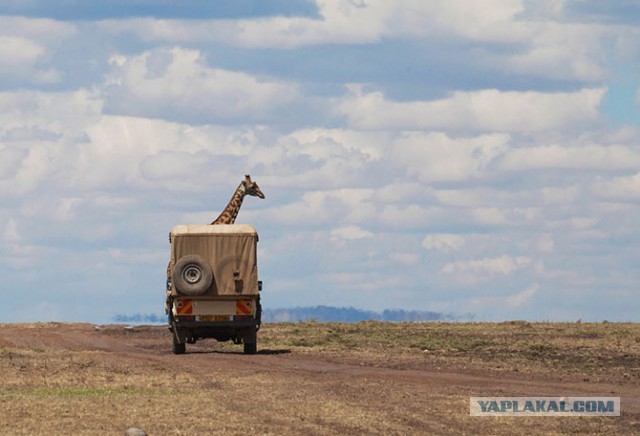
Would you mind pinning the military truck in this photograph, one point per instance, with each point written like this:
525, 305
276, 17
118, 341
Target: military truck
213, 289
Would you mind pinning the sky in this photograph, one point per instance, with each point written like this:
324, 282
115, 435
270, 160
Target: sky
480, 159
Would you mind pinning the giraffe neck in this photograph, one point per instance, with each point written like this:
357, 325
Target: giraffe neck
229, 214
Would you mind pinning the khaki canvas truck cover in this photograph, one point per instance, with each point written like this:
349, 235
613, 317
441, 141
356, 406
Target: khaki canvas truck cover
230, 250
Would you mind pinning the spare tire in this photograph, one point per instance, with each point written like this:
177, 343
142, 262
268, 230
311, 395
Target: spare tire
192, 275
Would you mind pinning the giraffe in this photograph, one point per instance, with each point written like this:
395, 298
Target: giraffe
246, 187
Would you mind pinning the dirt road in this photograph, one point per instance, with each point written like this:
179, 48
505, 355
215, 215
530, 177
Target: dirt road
86, 379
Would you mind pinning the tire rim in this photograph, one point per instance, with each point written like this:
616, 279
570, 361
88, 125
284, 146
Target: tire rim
192, 274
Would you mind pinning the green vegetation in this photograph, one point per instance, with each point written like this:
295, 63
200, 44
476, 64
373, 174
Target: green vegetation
79, 392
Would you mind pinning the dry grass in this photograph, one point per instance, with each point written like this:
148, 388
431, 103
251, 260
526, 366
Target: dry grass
605, 351
310, 378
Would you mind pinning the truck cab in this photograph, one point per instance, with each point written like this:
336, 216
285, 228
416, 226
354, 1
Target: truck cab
213, 289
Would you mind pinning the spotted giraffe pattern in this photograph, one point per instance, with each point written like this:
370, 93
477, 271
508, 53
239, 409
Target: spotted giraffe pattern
246, 187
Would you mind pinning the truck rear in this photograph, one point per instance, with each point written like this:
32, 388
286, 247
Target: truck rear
213, 289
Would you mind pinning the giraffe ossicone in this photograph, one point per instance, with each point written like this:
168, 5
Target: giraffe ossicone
246, 187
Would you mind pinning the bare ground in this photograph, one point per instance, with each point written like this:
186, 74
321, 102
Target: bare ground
313, 378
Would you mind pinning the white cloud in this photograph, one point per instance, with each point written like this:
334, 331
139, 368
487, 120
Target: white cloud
401, 193
539, 41
358, 204
26, 47
503, 215
443, 242
115, 148
318, 207
30, 172
66, 209
349, 233
17, 52
59, 141
491, 21
483, 110
276, 32
489, 215
521, 298
439, 158
347, 22
46, 30
341, 22
11, 233
109, 201
412, 215
20, 58
545, 243
465, 197
177, 83
405, 258
18, 252
323, 144
171, 165
583, 223
541, 9
571, 157
10, 160
319, 158
151, 152
559, 195
502, 306
57, 114
503, 265
618, 187
562, 51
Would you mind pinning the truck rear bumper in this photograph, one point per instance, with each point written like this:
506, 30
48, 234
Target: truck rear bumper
238, 331
215, 324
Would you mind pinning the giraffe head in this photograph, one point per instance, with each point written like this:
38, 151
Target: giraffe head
251, 188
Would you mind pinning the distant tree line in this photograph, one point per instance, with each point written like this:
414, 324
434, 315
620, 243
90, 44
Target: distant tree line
140, 318
350, 314
316, 313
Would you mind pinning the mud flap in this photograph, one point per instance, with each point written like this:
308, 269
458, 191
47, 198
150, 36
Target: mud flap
178, 345
178, 336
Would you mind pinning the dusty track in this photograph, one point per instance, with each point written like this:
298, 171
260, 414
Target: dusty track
101, 380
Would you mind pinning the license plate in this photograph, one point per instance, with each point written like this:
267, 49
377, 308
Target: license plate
212, 318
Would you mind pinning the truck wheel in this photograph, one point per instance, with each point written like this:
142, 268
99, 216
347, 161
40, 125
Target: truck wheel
250, 348
192, 275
